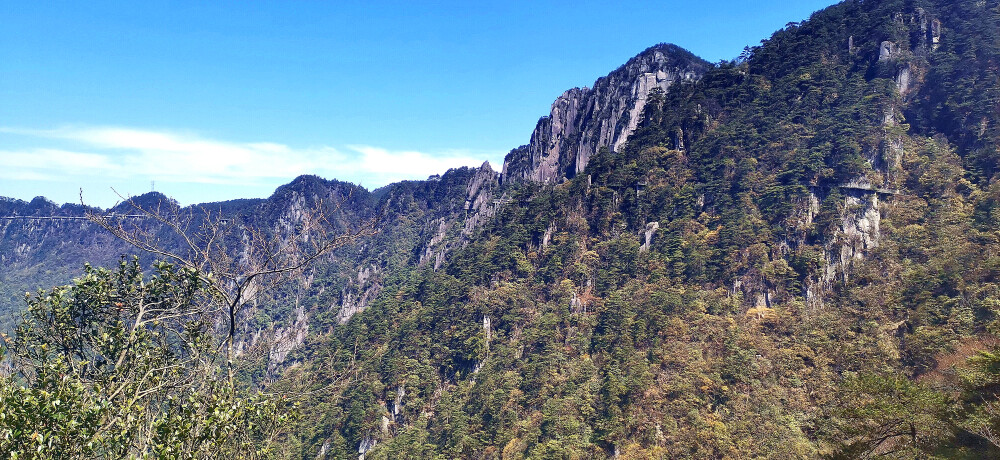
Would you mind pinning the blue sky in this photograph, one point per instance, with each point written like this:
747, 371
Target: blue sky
208, 101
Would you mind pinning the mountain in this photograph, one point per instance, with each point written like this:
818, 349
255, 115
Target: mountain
583, 120
790, 255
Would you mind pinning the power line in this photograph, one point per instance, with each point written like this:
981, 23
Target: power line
112, 216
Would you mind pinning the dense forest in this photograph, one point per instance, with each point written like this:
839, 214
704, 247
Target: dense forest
795, 255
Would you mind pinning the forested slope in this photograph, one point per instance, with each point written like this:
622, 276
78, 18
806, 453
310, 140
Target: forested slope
794, 254
788, 259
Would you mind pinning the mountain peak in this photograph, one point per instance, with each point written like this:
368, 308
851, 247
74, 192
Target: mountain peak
667, 52
148, 200
583, 120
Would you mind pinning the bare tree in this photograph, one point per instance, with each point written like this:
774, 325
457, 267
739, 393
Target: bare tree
237, 260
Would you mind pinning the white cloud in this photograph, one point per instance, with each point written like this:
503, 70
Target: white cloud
128, 153
35, 163
391, 166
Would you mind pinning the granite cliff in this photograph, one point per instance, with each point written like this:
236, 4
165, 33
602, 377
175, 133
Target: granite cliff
583, 120
787, 255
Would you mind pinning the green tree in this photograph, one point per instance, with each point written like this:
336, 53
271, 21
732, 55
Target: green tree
889, 415
981, 381
119, 365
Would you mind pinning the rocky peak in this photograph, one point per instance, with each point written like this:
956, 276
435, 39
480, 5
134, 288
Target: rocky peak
479, 196
582, 120
482, 181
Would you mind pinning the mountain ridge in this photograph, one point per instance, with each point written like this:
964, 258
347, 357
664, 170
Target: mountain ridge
582, 120
772, 262
627, 86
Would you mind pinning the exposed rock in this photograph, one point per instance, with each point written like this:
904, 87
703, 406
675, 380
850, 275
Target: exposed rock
935, 34
859, 233
887, 50
245, 343
651, 229
813, 295
366, 445
488, 334
679, 139
488, 330
547, 237
903, 80
288, 338
355, 297
434, 250
398, 403
583, 120
323, 450
860, 223
479, 198
813, 208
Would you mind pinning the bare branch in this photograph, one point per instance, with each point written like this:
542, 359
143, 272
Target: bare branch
238, 262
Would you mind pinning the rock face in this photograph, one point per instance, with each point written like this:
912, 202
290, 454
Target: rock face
288, 338
583, 120
358, 293
479, 198
887, 50
471, 201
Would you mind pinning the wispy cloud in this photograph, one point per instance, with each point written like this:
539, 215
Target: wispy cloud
394, 165
123, 153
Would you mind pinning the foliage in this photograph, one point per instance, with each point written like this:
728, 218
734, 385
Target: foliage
890, 416
757, 321
117, 365
792, 257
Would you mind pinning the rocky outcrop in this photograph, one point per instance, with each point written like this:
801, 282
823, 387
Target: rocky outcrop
358, 293
887, 50
930, 30
474, 195
366, 445
479, 198
288, 338
859, 231
435, 249
651, 229
583, 120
